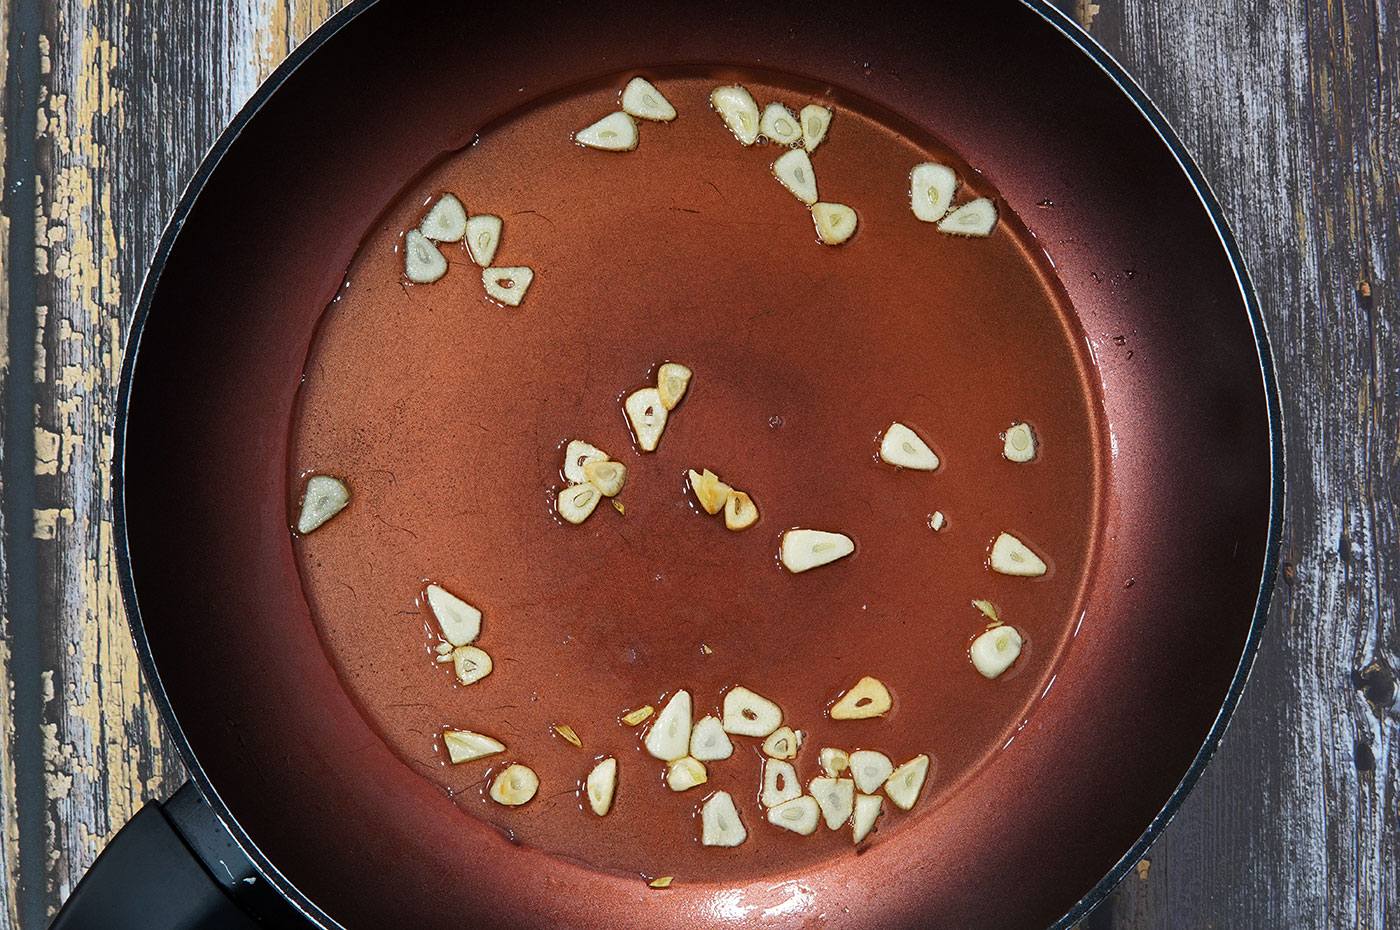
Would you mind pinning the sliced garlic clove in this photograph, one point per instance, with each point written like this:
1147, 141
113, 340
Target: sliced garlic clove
931, 189
607, 477
719, 821
600, 786
905, 783
1010, 556
663, 882
867, 698
471, 664
568, 734
483, 238
836, 222
467, 746
647, 415
668, 737
459, 621
641, 99
616, 132
870, 769
685, 773
515, 785
324, 498
422, 262
834, 761
995, 650
739, 111
783, 743
443, 649
974, 218
634, 717
815, 122
739, 511
837, 799
712, 493
937, 521
1019, 444
801, 550
989, 610
780, 783
446, 221
672, 379
577, 501
779, 124
800, 815
902, 447
508, 285
867, 809
750, 714
793, 169
577, 455
709, 742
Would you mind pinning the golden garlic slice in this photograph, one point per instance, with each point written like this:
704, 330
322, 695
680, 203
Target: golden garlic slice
867, 698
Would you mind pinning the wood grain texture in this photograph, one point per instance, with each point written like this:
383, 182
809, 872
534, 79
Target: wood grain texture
1293, 111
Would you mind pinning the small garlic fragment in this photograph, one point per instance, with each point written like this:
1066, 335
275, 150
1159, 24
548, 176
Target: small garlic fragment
905, 783
800, 815
1019, 445
577, 501
672, 379
989, 610
902, 447
634, 717
709, 742
937, 521
931, 188
508, 285
577, 455
466, 746
793, 169
801, 550
483, 238
685, 773
779, 124
324, 498
739, 111
750, 714
616, 132
834, 761
600, 786
459, 621
974, 218
836, 797
783, 743
668, 737
867, 698
719, 821
422, 262
780, 782
446, 221
866, 811
836, 222
514, 786
815, 122
443, 649
995, 650
607, 477
739, 511
471, 664
568, 734
870, 769
662, 882
647, 415
641, 99
1010, 556
712, 493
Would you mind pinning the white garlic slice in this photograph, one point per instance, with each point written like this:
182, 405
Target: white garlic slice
422, 262
780, 782
1019, 445
783, 743
739, 110
800, 815
607, 477
601, 785
647, 415
514, 786
793, 169
483, 238
836, 222
870, 769
459, 621
471, 664
712, 493
577, 455
974, 218
750, 714
709, 742
834, 762
867, 810
668, 737
739, 511
508, 285
902, 447
616, 132
994, 651
801, 550
672, 379
867, 698
719, 821
836, 797
779, 124
641, 99
937, 521
685, 773
577, 502
1010, 556
324, 498
446, 221
467, 746
905, 783
815, 121
931, 189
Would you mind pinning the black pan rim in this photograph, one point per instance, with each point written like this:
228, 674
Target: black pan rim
1055, 19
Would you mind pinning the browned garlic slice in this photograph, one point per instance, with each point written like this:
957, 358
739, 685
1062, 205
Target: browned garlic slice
783, 743
515, 785
867, 698
870, 769
616, 132
867, 809
931, 189
422, 262
1010, 556
995, 650
471, 664
750, 714
446, 221
905, 783
739, 511
668, 737
663, 881
568, 734
647, 415
800, 815
902, 447
607, 477
709, 742
834, 761
1019, 445
779, 124
600, 786
634, 717
937, 521
719, 821
324, 498
467, 746
780, 782
685, 773
974, 218
793, 169
577, 455
577, 501
508, 285
483, 238
739, 111
712, 493
641, 99
672, 379
836, 222
801, 550
459, 621
815, 122
989, 610
837, 799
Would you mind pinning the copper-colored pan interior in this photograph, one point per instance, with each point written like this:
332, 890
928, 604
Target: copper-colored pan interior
1186, 515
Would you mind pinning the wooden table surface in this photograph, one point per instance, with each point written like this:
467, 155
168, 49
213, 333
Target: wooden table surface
1292, 109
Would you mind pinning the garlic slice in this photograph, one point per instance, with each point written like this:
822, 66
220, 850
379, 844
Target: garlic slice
668, 737
867, 810
905, 783
514, 786
995, 650
685, 773
324, 498
483, 238
870, 769
974, 218
709, 742
568, 734
1019, 445
607, 477
508, 285
815, 122
467, 746
989, 610
459, 621
577, 455
719, 821
471, 664
867, 698
793, 169
422, 262
446, 221
739, 511
837, 799
577, 501
937, 521
739, 111
750, 714
672, 379
712, 493
634, 717
780, 783
616, 132
800, 815
836, 222
834, 761
902, 447
1010, 556
600, 786
662, 882
779, 124
641, 99
801, 550
931, 189
783, 743
647, 415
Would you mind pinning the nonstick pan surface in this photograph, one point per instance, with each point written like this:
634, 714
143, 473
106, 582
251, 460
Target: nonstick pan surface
1172, 606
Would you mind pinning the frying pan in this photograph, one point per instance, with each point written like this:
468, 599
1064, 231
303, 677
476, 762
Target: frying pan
298, 812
